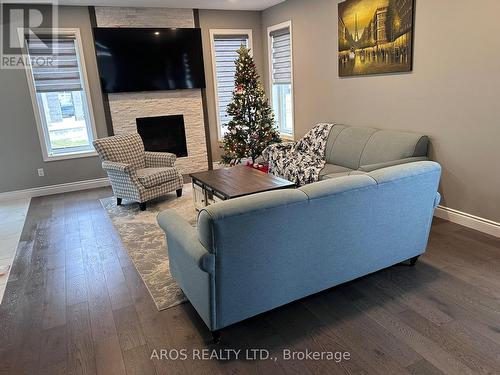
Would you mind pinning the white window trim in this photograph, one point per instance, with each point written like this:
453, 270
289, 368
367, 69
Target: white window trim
271, 29
36, 108
213, 33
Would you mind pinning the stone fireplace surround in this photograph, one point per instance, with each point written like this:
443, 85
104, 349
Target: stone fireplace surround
126, 107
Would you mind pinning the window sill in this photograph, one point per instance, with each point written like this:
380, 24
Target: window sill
72, 155
287, 137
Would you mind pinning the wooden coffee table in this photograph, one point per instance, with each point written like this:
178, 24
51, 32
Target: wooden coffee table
228, 183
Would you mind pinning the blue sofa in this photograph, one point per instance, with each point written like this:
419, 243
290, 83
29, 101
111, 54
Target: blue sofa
253, 254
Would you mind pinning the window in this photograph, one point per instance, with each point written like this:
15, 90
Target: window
281, 76
59, 91
225, 44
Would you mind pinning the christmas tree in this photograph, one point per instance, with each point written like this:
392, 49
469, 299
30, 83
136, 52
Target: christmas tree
251, 128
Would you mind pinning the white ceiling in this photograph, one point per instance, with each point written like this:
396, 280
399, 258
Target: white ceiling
199, 4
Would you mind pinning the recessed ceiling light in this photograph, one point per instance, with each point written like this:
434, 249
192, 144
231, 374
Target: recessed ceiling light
157, 33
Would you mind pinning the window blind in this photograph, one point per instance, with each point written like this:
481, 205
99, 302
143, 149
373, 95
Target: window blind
54, 64
225, 48
281, 56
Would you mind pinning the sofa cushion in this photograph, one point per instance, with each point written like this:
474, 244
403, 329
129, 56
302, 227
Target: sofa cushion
342, 174
404, 171
333, 168
341, 185
348, 146
334, 175
332, 171
332, 137
151, 177
389, 145
212, 219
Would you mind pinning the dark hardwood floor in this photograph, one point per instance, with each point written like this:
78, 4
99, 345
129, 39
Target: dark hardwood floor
75, 304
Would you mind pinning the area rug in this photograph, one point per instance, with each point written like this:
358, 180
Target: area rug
145, 241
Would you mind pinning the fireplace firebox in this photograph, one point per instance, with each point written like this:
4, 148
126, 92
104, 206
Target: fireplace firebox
163, 134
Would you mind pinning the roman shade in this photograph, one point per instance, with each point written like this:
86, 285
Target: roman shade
225, 50
281, 56
54, 63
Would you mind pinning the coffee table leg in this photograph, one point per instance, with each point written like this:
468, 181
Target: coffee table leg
194, 193
199, 196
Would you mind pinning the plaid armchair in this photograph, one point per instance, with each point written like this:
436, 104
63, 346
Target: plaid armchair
136, 174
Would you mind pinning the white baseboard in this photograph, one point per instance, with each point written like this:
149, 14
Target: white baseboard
468, 220
55, 189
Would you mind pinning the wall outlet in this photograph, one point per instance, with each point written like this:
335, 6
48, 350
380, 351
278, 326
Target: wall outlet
41, 173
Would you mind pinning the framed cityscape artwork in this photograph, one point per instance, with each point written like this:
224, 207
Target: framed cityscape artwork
375, 36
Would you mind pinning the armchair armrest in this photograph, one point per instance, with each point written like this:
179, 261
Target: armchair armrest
372, 167
118, 167
183, 241
159, 159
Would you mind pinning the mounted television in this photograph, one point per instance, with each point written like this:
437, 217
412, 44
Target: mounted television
140, 59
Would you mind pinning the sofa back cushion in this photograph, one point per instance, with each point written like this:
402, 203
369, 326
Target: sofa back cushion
347, 145
212, 218
353, 147
332, 137
389, 145
126, 149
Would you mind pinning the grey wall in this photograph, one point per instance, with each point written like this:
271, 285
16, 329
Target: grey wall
20, 151
216, 19
452, 94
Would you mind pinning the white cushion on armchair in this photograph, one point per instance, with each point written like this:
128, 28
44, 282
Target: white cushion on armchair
151, 177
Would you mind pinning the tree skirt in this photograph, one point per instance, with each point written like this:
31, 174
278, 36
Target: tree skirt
145, 241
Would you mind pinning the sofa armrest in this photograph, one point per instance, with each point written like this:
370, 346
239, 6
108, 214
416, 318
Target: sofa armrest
182, 237
373, 167
117, 167
159, 159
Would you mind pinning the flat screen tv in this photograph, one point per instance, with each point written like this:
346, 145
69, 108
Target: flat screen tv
140, 59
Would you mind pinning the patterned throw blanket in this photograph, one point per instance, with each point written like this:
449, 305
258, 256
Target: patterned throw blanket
299, 161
